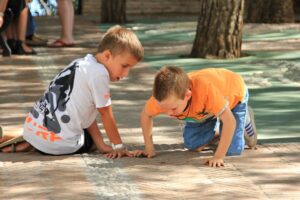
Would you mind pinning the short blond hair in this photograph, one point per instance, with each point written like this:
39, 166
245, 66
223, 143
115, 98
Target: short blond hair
118, 40
170, 80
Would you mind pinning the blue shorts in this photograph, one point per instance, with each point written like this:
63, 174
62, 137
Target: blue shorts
199, 134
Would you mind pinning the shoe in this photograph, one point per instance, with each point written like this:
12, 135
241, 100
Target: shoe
20, 51
250, 132
35, 41
13, 142
59, 44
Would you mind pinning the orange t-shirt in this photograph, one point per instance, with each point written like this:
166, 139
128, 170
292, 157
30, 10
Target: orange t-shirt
213, 90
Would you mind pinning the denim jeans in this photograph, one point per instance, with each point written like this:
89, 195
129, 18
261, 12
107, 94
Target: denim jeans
30, 25
199, 134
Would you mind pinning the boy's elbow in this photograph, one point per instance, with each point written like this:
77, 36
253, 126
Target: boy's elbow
145, 115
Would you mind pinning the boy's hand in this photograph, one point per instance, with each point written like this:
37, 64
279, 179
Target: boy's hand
215, 162
118, 153
106, 148
143, 153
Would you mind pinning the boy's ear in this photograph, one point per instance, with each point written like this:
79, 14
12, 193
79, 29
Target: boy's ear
106, 54
188, 94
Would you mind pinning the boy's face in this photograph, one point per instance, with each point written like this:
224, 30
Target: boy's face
173, 105
118, 66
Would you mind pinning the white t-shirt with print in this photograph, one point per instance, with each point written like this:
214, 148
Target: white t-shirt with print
56, 122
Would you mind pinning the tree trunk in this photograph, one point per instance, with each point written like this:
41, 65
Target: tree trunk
296, 5
270, 11
113, 11
219, 30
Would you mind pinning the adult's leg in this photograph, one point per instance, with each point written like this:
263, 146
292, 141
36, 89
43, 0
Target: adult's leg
66, 16
21, 32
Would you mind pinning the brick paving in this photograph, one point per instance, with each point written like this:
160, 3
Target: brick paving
270, 172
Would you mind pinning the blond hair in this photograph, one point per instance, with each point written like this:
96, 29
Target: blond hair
169, 81
118, 40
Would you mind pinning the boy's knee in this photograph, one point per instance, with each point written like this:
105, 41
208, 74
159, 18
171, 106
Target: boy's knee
235, 152
189, 146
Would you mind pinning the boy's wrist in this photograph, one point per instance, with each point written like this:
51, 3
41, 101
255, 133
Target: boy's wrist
1, 14
149, 148
118, 146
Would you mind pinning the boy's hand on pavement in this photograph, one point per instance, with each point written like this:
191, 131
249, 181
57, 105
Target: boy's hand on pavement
118, 153
215, 162
143, 153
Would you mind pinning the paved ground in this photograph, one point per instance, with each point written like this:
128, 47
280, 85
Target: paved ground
270, 172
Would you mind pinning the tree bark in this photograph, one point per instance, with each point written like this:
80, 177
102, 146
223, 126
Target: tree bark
270, 11
219, 30
113, 11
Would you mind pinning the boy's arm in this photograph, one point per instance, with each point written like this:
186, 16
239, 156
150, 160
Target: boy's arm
109, 124
95, 133
147, 124
228, 128
112, 132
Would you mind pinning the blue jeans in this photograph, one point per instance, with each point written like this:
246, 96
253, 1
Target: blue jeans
30, 25
199, 134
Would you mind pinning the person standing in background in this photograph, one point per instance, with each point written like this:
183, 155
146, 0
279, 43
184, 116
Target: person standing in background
66, 17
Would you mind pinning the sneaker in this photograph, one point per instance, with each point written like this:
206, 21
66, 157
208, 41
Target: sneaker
250, 132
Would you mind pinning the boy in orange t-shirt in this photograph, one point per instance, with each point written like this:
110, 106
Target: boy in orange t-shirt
206, 99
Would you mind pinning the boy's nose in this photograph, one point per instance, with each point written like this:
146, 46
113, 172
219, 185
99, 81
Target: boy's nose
125, 73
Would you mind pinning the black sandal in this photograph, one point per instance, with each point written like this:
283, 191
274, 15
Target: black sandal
13, 148
20, 51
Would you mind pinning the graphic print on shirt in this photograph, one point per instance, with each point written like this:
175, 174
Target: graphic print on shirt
56, 98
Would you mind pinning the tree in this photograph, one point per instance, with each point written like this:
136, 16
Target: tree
269, 11
113, 11
219, 29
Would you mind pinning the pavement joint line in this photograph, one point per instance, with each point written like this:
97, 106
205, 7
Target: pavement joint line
108, 178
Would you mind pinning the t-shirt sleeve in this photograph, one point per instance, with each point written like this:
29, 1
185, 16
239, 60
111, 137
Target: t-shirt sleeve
99, 87
216, 102
152, 107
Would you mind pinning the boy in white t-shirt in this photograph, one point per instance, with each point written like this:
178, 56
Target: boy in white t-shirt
63, 120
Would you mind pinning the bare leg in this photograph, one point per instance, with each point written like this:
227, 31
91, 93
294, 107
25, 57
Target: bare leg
5, 138
22, 26
20, 147
11, 30
66, 16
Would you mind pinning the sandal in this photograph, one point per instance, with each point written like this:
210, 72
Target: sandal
60, 44
13, 148
35, 41
1, 132
12, 141
19, 50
